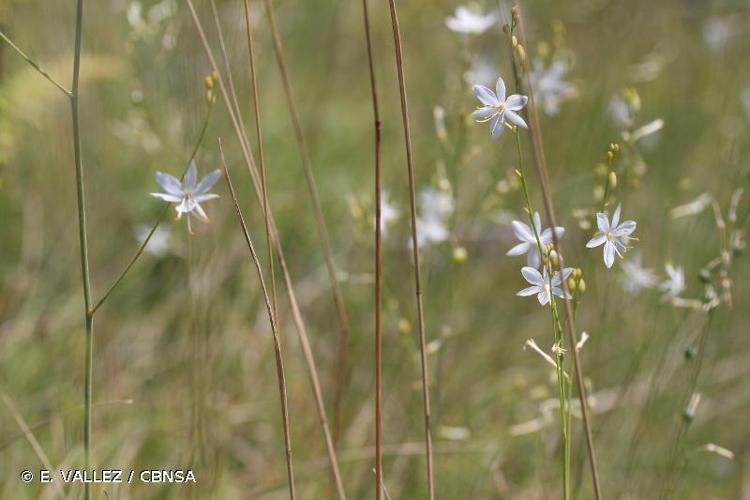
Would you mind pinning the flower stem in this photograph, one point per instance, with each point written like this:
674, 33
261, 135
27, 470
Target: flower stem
34, 65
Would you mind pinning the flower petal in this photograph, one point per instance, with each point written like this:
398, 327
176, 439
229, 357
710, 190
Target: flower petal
528, 291
205, 197
170, 183
543, 298
596, 241
515, 118
602, 222
484, 114
519, 249
516, 102
191, 177
207, 182
485, 95
167, 197
532, 276
500, 90
609, 254
522, 231
533, 259
616, 216
625, 229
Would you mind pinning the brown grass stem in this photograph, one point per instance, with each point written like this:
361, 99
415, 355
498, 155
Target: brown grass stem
274, 329
320, 223
261, 153
294, 306
415, 245
540, 163
379, 483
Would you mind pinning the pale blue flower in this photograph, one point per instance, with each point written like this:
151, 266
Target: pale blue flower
529, 244
497, 110
613, 235
674, 285
550, 90
188, 194
542, 286
635, 277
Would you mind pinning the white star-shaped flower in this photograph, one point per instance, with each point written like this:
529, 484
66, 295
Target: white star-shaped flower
613, 235
549, 87
388, 212
674, 285
470, 21
528, 243
188, 194
635, 277
541, 284
497, 110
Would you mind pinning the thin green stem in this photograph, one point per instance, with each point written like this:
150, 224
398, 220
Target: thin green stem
34, 65
159, 220
84, 249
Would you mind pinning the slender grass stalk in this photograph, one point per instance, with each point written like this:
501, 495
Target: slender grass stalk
274, 330
159, 219
38, 450
261, 154
541, 167
34, 65
294, 306
379, 484
415, 246
84, 248
320, 223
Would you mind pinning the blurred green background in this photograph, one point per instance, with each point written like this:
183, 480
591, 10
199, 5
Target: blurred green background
184, 373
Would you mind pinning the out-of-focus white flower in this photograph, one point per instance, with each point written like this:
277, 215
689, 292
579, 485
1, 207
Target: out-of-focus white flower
483, 71
542, 286
469, 21
644, 131
436, 208
188, 194
717, 32
159, 242
695, 207
549, 87
497, 110
635, 277
528, 243
388, 212
613, 235
674, 285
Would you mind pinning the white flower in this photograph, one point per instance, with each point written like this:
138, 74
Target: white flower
470, 21
437, 206
674, 285
528, 243
635, 277
717, 32
497, 109
189, 193
159, 242
388, 212
613, 235
619, 110
541, 284
483, 70
549, 87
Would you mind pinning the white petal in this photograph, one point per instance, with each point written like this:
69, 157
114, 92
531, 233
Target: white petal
516, 102
515, 118
199, 211
519, 249
534, 259
191, 176
207, 182
500, 90
204, 197
616, 216
485, 95
532, 276
596, 241
167, 197
484, 114
609, 254
528, 291
625, 229
602, 222
537, 223
496, 126
170, 183
543, 298
522, 231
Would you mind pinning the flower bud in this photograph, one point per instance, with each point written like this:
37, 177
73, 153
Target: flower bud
612, 179
571, 284
581, 285
460, 255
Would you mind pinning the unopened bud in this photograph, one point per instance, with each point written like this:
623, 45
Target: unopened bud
460, 255
581, 285
612, 179
571, 284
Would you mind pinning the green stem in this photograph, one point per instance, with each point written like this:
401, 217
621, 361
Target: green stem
89, 362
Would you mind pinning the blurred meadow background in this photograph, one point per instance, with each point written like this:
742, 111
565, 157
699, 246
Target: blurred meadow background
184, 373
